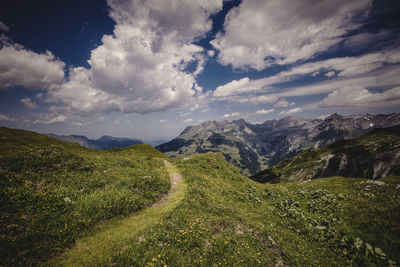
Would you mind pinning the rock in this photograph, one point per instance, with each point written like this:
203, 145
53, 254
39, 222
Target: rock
376, 182
369, 248
358, 243
380, 253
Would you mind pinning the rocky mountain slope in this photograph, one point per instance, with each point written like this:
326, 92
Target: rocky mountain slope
253, 147
373, 155
104, 142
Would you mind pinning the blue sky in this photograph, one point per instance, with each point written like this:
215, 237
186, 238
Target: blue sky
147, 69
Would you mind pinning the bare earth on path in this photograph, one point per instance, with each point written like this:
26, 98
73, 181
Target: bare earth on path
100, 248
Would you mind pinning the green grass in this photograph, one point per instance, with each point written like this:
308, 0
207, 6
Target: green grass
351, 218
213, 216
54, 192
229, 220
117, 236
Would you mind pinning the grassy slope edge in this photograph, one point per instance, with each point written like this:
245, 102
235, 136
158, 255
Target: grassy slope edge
53, 192
227, 219
115, 236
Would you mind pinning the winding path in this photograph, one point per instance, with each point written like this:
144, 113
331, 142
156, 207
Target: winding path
117, 236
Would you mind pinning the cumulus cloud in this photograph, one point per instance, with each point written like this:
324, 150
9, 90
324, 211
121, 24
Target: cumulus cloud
260, 33
188, 120
33, 71
141, 67
240, 87
232, 115
4, 27
232, 88
264, 111
291, 111
28, 103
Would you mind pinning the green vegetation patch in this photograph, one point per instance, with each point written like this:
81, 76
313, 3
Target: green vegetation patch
52, 194
226, 219
357, 220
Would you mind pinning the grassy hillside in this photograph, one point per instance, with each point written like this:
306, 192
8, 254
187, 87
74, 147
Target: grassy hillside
54, 192
373, 155
226, 219
217, 217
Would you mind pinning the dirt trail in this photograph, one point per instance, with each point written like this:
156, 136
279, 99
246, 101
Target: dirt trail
101, 248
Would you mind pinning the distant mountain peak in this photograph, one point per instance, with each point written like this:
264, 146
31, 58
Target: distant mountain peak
253, 147
104, 142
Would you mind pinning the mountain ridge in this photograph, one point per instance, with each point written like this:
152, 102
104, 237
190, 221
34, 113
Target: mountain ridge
104, 142
374, 155
253, 147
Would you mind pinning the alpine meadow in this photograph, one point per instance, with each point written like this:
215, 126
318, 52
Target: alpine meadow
200, 133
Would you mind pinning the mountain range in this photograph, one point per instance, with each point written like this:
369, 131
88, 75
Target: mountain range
104, 142
373, 155
254, 147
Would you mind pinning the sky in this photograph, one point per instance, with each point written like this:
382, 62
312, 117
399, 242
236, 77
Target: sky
149, 68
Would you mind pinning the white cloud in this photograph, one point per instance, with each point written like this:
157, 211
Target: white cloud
4, 117
163, 121
211, 53
369, 40
33, 71
57, 118
4, 27
232, 115
27, 102
195, 107
79, 94
357, 96
260, 33
323, 117
330, 74
188, 120
291, 111
141, 68
373, 69
185, 114
264, 111
386, 77
281, 104
232, 88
